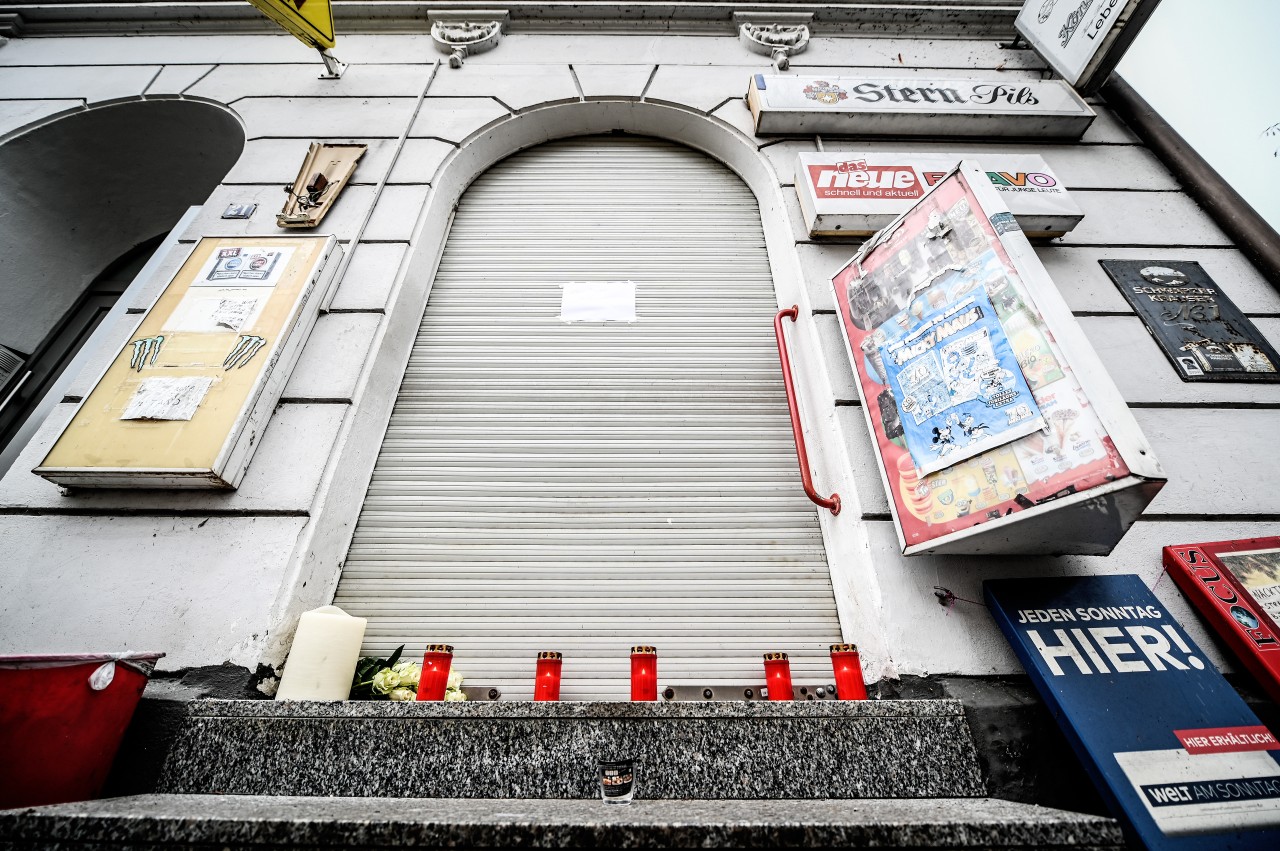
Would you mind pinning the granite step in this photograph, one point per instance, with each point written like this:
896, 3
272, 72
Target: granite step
522, 750
243, 822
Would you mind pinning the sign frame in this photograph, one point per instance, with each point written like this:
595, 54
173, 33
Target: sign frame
184, 401
1200, 304
1084, 507
917, 106
1155, 725
1029, 181
1210, 576
1040, 22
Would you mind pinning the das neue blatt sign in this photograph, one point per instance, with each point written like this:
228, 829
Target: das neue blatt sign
1172, 748
856, 193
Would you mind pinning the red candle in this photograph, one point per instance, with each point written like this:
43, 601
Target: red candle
644, 673
848, 670
546, 683
777, 676
435, 671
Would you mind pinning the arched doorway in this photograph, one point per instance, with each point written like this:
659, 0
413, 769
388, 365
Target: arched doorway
88, 197
584, 486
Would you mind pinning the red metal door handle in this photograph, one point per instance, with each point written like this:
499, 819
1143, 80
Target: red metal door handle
802, 454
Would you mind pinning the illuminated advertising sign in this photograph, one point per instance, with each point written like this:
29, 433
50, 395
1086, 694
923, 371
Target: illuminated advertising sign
1174, 751
917, 106
994, 426
857, 193
1083, 40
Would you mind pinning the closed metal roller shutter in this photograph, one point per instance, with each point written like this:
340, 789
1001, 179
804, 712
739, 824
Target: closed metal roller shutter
583, 487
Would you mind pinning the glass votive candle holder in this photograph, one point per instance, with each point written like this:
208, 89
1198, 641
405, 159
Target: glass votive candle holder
434, 679
617, 781
644, 672
546, 683
848, 671
777, 676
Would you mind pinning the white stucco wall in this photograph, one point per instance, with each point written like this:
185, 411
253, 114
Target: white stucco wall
143, 570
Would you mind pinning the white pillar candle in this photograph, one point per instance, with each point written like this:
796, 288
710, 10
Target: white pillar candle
323, 658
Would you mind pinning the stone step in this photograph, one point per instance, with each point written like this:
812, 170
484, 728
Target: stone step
235, 822
524, 750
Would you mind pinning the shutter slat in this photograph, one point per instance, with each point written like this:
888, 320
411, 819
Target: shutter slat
583, 487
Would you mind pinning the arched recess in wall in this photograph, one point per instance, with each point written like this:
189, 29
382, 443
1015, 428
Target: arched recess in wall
88, 197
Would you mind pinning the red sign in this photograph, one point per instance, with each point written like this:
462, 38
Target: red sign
1236, 587
1227, 740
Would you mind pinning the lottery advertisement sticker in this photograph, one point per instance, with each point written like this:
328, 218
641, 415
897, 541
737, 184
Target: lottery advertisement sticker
250, 266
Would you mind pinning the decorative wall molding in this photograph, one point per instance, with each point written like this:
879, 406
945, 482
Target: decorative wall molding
10, 26
777, 41
972, 19
462, 33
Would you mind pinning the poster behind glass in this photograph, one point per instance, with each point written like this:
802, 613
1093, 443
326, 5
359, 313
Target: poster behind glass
1046, 443
1235, 585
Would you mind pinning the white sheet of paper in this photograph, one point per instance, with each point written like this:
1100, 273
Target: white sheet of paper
219, 311
598, 301
167, 398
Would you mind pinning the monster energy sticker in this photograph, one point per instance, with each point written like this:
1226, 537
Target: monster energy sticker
248, 266
959, 386
1200, 330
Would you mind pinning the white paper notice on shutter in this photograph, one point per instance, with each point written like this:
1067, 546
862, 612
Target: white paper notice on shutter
598, 301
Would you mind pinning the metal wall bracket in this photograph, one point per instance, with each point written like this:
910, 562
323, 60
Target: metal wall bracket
324, 173
464, 33
333, 67
778, 36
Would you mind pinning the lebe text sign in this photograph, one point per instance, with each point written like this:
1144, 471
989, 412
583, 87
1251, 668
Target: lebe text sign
1083, 40
871, 106
857, 193
1170, 745
183, 402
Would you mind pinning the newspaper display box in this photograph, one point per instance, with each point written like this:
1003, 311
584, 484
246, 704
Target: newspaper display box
1235, 585
185, 401
970, 463
855, 194
856, 105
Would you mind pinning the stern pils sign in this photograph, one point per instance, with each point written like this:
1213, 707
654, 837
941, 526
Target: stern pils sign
1170, 745
857, 193
917, 106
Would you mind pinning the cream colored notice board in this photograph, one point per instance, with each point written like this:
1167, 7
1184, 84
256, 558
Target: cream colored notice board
184, 401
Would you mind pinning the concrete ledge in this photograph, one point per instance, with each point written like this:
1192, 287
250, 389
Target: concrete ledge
249, 821
520, 750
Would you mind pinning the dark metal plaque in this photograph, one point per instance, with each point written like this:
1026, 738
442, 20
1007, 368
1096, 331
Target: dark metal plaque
1202, 332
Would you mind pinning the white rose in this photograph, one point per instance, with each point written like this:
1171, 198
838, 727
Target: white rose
454, 694
409, 672
403, 694
455, 679
385, 680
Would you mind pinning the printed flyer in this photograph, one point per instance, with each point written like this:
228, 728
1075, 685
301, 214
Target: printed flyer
1175, 752
959, 385
942, 259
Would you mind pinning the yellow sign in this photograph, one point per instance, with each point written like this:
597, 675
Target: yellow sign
199, 377
310, 21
